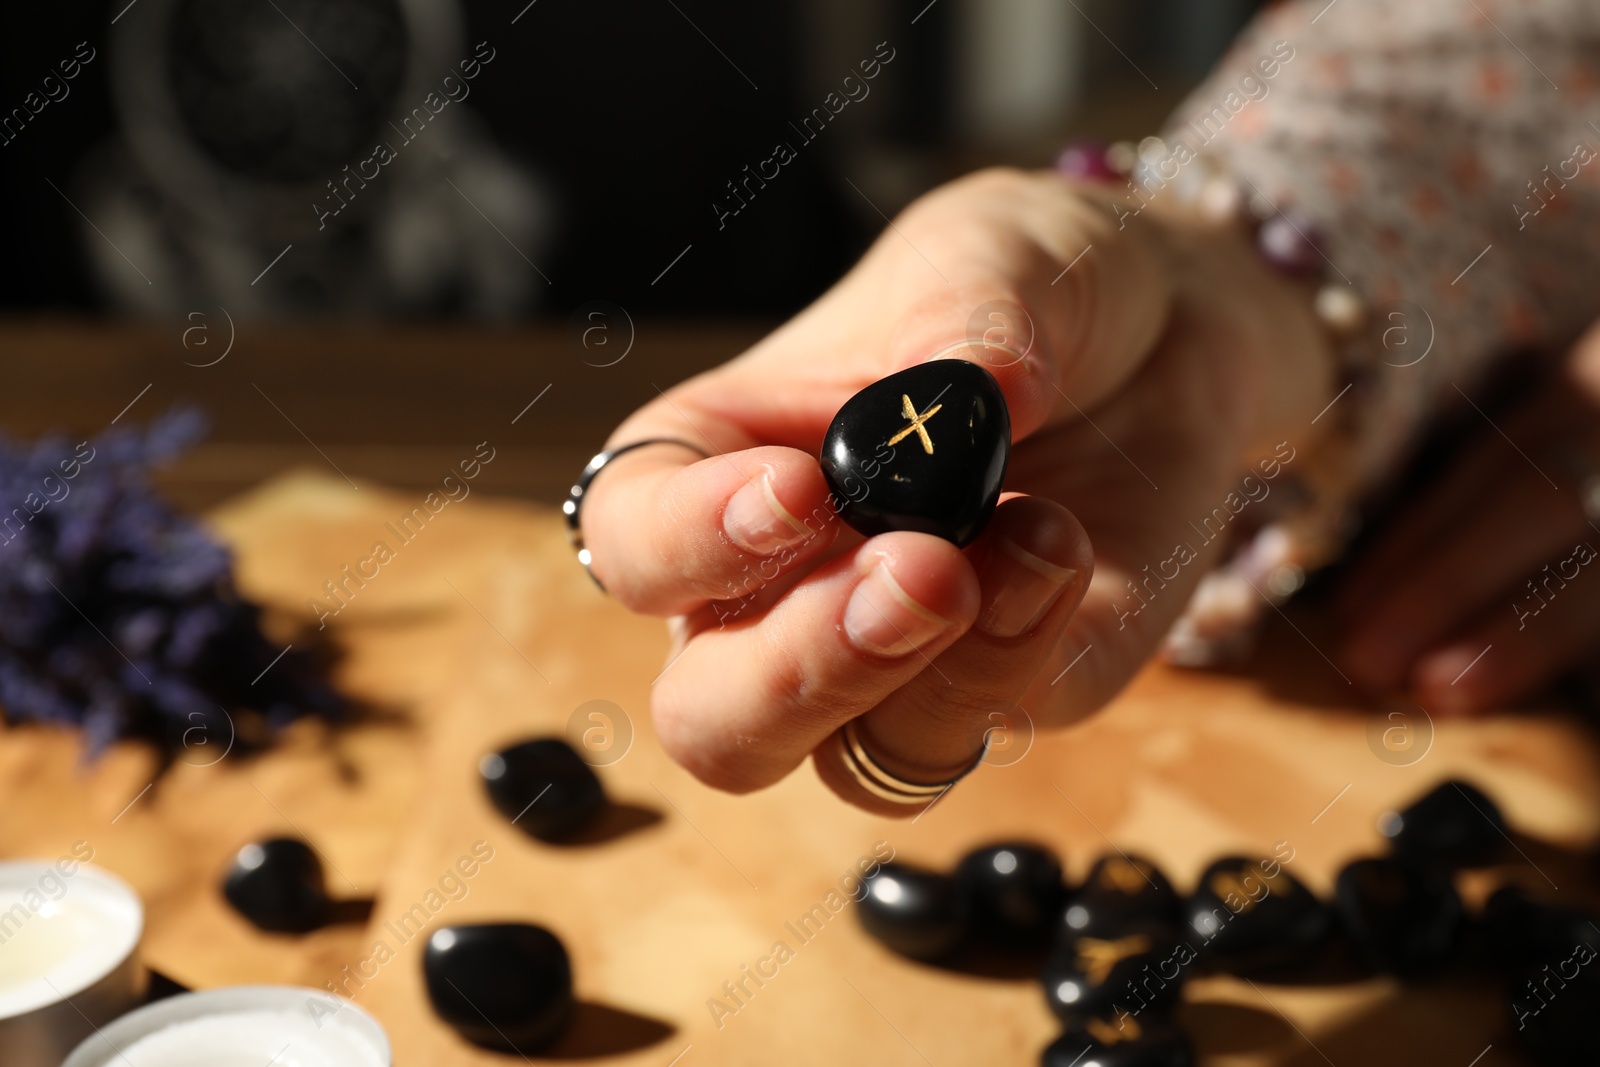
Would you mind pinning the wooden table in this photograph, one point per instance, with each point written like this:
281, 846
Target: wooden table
398, 405
484, 630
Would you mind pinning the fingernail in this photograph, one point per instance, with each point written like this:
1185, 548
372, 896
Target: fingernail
881, 617
757, 521
1018, 589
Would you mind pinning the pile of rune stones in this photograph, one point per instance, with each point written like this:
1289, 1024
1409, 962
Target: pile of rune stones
1119, 948
1116, 950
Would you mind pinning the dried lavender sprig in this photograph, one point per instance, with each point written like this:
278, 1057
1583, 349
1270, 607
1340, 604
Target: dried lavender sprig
119, 614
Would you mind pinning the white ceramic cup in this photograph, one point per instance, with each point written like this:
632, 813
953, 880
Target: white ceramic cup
240, 1026
69, 939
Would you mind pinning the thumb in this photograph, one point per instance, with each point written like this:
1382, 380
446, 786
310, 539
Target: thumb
1041, 287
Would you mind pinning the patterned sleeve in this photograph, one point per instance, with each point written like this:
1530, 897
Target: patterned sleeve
1447, 155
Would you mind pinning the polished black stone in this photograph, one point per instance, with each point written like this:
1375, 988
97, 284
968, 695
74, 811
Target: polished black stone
1139, 971
916, 913
1454, 826
1014, 891
1554, 1011
544, 787
924, 449
1522, 931
1125, 1040
278, 885
1400, 918
1120, 891
1251, 916
504, 986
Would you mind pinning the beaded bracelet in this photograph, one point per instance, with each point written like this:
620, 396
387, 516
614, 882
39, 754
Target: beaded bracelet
1270, 566
1288, 242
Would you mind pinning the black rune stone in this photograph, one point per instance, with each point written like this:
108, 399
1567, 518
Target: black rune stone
1121, 891
924, 450
916, 913
278, 885
1139, 971
1524, 931
1252, 916
1400, 918
1014, 891
1553, 1010
505, 986
1456, 825
543, 786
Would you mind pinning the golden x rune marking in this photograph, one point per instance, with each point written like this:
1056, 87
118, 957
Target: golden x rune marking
1226, 883
1097, 957
1124, 876
909, 410
1107, 1034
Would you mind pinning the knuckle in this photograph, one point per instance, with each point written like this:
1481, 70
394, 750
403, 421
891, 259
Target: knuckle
682, 733
809, 701
997, 181
676, 729
960, 201
630, 594
641, 555
609, 562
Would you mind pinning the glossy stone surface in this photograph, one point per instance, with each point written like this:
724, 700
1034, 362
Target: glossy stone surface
278, 885
1141, 971
543, 786
504, 986
1014, 891
1139, 1041
1521, 930
1455, 825
1400, 918
924, 449
1120, 891
1250, 916
916, 913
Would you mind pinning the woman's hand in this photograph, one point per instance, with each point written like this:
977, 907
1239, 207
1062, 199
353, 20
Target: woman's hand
1485, 591
1145, 365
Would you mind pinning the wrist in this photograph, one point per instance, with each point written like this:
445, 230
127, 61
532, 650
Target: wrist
1271, 360
1239, 270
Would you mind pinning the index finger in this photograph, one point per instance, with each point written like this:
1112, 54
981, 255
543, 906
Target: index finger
668, 531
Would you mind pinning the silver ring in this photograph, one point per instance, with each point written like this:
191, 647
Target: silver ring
885, 785
574, 502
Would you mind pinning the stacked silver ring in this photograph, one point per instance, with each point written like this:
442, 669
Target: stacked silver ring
868, 773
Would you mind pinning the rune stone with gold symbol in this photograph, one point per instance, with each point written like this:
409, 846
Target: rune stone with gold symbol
938, 470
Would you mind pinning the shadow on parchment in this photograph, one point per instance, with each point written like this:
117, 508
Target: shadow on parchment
1222, 1028
1441, 1022
616, 821
352, 912
599, 1030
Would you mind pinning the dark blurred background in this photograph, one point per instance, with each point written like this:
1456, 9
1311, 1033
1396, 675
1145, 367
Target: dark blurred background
591, 149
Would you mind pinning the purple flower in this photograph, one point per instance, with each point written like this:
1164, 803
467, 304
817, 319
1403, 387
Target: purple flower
117, 613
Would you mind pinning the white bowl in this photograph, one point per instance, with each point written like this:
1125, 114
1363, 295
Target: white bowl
69, 939
247, 1026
